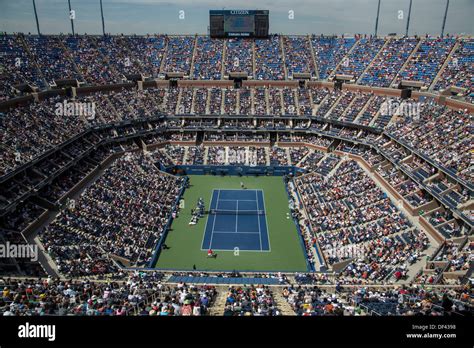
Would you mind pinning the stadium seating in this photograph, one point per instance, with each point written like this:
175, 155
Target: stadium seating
179, 54
298, 56
329, 52
142, 295
98, 192
426, 61
459, 72
208, 59
250, 301
359, 58
239, 56
388, 62
90, 62
268, 59
80, 239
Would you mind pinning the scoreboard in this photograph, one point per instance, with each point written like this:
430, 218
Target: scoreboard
238, 23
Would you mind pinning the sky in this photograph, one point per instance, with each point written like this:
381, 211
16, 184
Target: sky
192, 16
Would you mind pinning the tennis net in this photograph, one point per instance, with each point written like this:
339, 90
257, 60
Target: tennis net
236, 212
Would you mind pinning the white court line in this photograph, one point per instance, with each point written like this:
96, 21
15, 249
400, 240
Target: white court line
220, 232
241, 250
233, 200
214, 222
266, 222
207, 221
258, 216
237, 217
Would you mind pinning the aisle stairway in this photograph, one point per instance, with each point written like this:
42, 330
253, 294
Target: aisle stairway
281, 303
218, 307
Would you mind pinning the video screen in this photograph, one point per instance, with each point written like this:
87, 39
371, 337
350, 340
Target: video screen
239, 24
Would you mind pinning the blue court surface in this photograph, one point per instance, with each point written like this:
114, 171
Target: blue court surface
236, 219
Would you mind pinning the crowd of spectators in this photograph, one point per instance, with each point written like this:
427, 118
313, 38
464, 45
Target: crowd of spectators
74, 238
289, 102
310, 162
329, 51
269, 59
350, 197
278, 156
250, 301
176, 153
239, 56
452, 153
353, 110
305, 105
313, 301
216, 155
298, 56
327, 103
297, 154
90, 62
460, 71
208, 59
371, 110
138, 294
257, 156
186, 101
179, 54
145, 294
245, 101
348, 209
54, 62
260, 101
17, 67
114, 50
29, 130
441, 134
109, 59
412, 300
427, 60
122, 215
195, 155
147, 51
236, 155
200, 101
341, 105
230, 101
387, 259
360, 56
275, 102
388, 62
404, 300
458, 256
215, 101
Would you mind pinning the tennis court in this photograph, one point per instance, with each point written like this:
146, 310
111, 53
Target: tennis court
186, 246
236, 221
